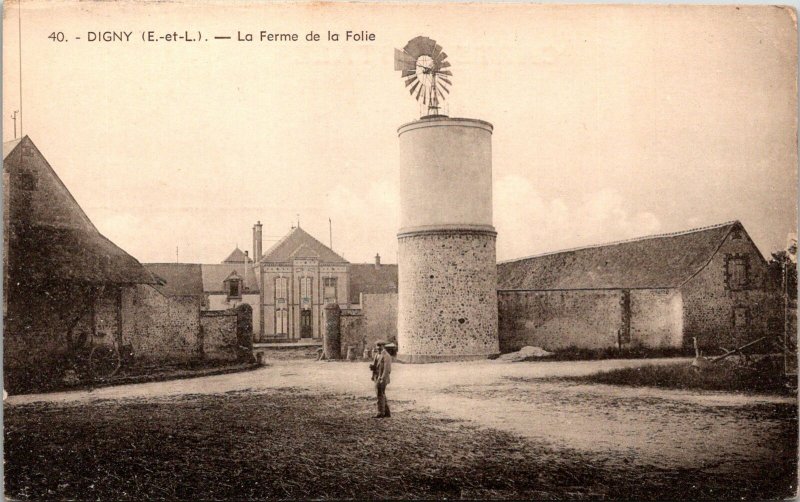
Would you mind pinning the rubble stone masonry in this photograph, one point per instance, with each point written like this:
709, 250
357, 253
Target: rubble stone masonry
447, 296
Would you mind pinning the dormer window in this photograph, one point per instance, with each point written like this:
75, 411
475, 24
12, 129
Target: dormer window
233, 286
234, 289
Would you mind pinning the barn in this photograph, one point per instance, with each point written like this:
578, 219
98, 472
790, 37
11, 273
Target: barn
660, 291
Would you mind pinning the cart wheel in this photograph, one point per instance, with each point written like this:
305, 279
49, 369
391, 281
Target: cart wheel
104, 361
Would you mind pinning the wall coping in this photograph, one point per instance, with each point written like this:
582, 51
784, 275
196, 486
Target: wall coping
217, 313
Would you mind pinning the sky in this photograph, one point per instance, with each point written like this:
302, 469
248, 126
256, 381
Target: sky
610, 122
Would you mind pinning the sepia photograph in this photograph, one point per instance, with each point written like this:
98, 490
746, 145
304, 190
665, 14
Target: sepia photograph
298, 250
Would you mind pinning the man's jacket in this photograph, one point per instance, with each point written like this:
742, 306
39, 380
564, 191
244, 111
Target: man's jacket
384, 367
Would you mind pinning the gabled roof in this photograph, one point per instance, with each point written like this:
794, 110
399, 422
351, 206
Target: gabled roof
659, 261
9, 146
50, 237
370, 278
177, 279
289, 247
214, 276
237, 256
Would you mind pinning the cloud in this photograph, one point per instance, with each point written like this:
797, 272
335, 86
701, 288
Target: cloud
528, 223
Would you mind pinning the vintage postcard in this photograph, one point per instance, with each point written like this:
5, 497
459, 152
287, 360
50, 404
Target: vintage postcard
258, 251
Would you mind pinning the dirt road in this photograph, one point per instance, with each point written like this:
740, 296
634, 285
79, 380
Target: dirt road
631, 426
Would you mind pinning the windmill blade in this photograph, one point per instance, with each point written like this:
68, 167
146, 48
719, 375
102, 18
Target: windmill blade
445, 81
445, 89
418, 46
411, 80
444, 64
408, 73
441, 57
439, 90
424, 95
411, 91
403, 61
446, 72
418, 91
436, 51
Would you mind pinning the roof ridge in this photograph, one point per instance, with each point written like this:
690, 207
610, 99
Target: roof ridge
624, 241
277, 244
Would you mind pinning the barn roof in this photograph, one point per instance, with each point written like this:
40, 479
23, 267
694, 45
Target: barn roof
50, 237
177, 279
300, 244
659, 261
369, 278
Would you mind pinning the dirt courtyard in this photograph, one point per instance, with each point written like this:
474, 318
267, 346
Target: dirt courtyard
663, 442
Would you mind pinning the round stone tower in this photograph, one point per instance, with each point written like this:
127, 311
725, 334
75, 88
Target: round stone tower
447, 308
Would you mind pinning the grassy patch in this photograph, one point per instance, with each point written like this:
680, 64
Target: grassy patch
763, 376
578, 354
289, 444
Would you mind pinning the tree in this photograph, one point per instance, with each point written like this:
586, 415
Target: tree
777, 262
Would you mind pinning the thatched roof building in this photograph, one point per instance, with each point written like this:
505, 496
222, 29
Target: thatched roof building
50, 238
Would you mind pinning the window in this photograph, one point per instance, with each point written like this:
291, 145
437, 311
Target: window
305, 292
281, 289
234, 289
737, 268
329, 290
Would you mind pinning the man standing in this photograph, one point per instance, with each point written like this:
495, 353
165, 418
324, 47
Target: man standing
383, 368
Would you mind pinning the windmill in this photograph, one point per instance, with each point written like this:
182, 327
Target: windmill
424, 65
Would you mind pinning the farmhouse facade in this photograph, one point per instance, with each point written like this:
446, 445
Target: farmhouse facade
710, 283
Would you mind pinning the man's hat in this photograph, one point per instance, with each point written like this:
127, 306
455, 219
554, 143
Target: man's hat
380, 342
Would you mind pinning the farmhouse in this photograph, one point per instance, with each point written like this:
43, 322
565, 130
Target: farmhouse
64, 283
660, 291
69, 290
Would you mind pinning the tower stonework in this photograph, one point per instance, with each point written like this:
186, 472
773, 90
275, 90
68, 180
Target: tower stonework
447, 270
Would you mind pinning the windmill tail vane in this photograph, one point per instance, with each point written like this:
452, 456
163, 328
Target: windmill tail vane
424, 67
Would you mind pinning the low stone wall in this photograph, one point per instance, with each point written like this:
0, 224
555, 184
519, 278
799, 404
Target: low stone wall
165, 329
219, 339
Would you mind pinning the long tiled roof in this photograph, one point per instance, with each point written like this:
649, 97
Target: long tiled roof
300, 244
177, 279
368, 278
660, 261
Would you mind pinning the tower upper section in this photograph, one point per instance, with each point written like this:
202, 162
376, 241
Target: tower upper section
445, 174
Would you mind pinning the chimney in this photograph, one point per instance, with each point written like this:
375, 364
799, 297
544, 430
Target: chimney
257, 241
377, 260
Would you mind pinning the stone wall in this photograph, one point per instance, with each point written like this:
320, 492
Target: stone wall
447, 300
218, 301
165, 329
559, 319
351, 331
380, 318
656, 318
219, 338
719, 315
